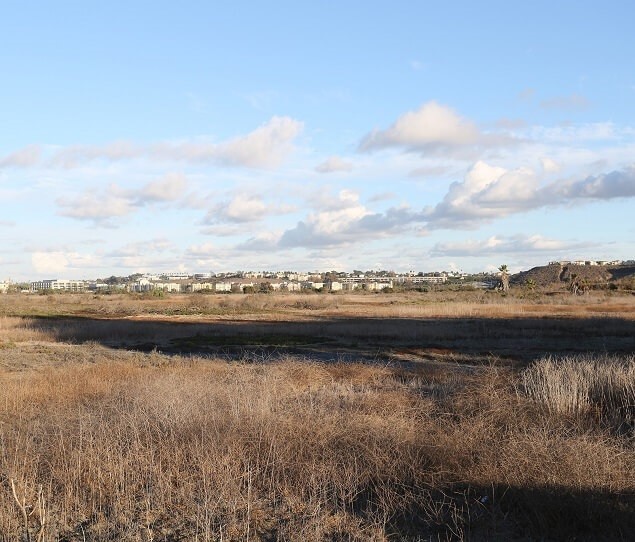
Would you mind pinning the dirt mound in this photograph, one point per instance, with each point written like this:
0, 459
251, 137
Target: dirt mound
561, 275
545, 275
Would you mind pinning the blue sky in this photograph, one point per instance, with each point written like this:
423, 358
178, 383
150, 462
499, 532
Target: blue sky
326, 135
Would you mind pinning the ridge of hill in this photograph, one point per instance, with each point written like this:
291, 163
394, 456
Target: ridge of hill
561, 275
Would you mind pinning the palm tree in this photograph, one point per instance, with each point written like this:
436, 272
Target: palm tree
504, 277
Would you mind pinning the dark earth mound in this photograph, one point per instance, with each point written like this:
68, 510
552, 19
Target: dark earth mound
558, 275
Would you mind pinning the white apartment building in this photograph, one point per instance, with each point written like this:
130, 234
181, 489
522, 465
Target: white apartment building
293, 286
430, 279
200, 286
173, 287
310, 285
178, 275
59, 284
141, 285
378, 285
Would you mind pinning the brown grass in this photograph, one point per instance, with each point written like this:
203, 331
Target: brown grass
130, 446
446, 444
300, 306
603, 387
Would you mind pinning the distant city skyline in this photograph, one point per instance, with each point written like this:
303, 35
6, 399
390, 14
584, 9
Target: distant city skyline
154, 137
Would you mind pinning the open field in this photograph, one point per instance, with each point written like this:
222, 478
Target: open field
442, 416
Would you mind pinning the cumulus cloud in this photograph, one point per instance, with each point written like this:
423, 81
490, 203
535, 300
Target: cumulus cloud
242, 209
102, 205
334, 164
347, 221
488, 192
515, 244
169, 188
616, 184
264, 147
96, 206
432, 125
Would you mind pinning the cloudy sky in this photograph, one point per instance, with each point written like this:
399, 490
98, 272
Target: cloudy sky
197, 136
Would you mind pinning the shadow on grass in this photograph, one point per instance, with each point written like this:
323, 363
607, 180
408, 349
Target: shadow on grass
513, 339
518, 513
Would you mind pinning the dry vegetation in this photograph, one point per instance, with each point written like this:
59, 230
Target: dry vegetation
303, 306
115, 444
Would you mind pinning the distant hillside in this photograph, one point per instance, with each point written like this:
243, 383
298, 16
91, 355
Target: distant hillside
556, 275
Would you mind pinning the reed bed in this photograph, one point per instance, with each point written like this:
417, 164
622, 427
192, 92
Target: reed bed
602, 387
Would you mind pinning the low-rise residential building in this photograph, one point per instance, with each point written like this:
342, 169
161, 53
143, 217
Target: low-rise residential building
59, 284
171, 287
176, 275
378, 285
293, 286
430, 279
310, 285
141, 285
200, 286
223, 287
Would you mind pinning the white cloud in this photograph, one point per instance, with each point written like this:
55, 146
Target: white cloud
334, 164
96, 206
549, 165
346, 221
243, 209
26, 157
489, 192
200, 251
49, 262
431, 125
114, 201
56, 262
516, 244
76, 155
264, 147
616, 184
169, 188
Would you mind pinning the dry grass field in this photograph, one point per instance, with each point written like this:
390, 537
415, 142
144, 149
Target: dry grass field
432, 416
